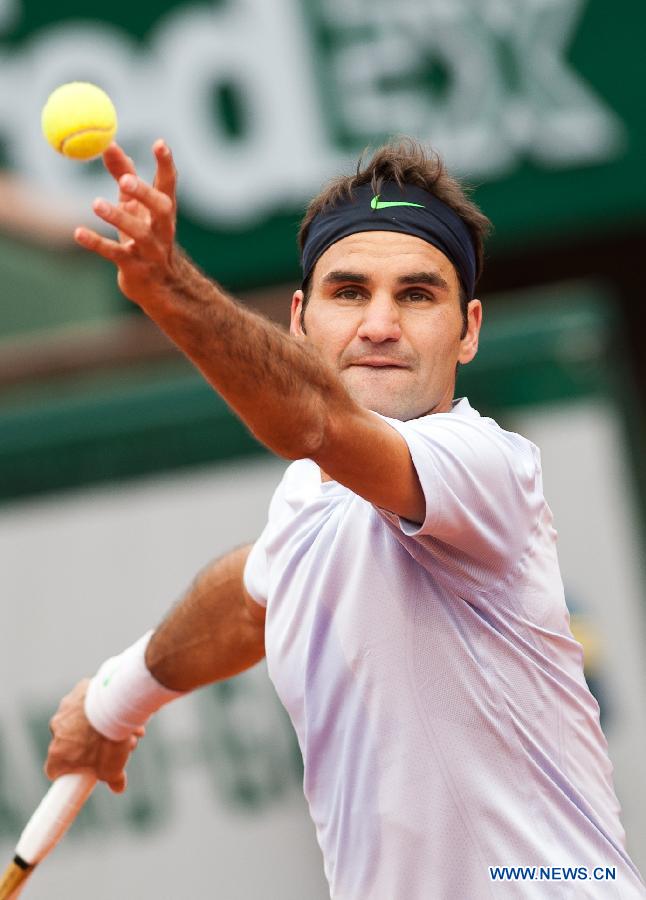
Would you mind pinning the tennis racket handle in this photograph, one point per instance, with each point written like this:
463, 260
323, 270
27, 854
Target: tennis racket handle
54, 815
17, 892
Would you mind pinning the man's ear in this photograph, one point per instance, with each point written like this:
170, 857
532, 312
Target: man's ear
295, 327
469, 343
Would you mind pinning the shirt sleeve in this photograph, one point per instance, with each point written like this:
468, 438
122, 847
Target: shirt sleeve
482, 486
256, 572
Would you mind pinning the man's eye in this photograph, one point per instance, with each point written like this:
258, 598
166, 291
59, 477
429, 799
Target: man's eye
417, 296
349, 294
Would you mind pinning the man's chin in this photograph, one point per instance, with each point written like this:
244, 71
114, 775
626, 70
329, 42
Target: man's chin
399, 393
395, 404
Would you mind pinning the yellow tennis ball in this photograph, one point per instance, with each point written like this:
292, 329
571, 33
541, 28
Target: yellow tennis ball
79, 120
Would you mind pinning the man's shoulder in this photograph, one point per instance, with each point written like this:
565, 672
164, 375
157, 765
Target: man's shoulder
466, 421
477, 441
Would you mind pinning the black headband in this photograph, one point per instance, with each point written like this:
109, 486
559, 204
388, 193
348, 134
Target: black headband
409, 210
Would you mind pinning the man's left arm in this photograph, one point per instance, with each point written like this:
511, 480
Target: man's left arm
288, 397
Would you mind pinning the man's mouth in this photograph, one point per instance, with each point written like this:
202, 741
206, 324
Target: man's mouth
379, 362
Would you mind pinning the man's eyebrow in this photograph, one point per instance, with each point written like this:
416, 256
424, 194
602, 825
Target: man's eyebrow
337, 277
433, 279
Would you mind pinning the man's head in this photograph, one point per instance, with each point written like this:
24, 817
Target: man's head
393, 310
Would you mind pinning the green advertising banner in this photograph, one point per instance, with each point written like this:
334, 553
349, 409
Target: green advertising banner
537, 102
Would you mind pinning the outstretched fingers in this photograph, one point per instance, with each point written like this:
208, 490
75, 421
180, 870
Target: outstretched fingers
124, 218
112, 250
117, 162
166, 175
160, 205
144, 217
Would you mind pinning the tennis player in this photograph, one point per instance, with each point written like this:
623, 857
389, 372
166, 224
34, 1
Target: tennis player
406, 589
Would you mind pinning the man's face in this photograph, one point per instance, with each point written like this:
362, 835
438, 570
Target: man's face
384, 312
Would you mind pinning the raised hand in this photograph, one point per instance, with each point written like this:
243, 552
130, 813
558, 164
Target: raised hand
145, 218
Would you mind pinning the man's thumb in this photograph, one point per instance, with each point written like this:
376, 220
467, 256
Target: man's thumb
119, 784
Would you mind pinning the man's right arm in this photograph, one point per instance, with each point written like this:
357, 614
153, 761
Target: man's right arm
215, 631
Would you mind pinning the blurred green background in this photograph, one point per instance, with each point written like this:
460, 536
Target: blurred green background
537, 104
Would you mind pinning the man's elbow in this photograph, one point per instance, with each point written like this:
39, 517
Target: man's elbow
306, 445
301, 436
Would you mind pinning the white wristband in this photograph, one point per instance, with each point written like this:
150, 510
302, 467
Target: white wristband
123, 694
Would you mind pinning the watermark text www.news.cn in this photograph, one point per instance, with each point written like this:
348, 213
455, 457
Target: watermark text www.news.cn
552, 873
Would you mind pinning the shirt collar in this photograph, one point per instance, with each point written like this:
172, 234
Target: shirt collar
462, 407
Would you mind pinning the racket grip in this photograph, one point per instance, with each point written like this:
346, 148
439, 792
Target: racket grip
53, 816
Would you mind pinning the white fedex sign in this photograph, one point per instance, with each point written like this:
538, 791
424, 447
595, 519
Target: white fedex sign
489, 84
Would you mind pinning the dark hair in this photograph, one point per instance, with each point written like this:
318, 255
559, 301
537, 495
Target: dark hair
404, 161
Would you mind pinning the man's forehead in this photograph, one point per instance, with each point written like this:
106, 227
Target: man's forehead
384, 254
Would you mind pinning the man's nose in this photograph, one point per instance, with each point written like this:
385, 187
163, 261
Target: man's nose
380, 320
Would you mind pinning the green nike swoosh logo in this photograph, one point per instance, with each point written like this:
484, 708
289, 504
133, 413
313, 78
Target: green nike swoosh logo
376, 203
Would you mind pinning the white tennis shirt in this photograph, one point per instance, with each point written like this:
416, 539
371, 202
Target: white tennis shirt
430, 674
